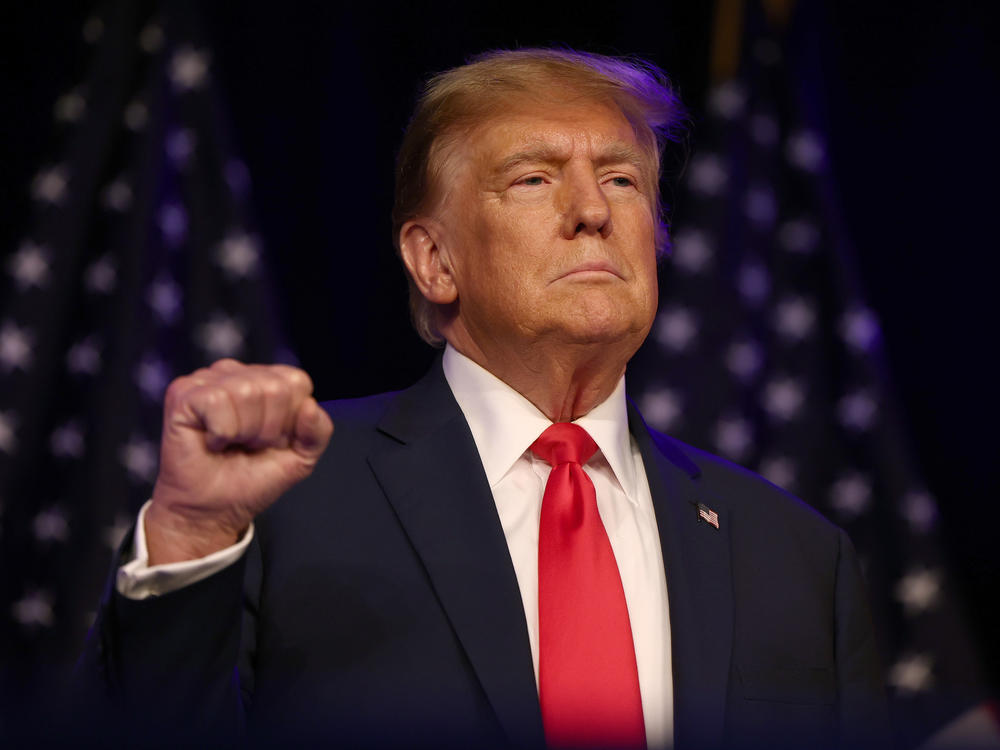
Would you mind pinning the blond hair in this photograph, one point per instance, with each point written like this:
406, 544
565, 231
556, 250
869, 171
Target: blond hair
455, 101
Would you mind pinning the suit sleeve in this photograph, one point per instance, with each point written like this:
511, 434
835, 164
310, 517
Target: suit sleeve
173, 664
861, 691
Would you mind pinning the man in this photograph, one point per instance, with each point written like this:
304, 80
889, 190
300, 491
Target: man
502, 554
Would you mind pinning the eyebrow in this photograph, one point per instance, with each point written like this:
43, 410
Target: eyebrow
546, 153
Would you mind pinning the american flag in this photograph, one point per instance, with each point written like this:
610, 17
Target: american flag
708, 515
765, 352
138, 263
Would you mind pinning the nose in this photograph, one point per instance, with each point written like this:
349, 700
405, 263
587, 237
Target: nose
587, 210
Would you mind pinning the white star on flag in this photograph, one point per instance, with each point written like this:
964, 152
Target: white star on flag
180, 147
188, 69
101, 276
780, 471
117, 195
799, 236
727, 100
919, 511
859, 328
84, 358
70, 107
754, 283
221, 337
34, 610
237, 254
662, 407
764, 130
733, 436
676, 328
50, 184
15, 347
744, 359
8, 438
919, 590
857, 411
708, 174
164, 297
67, 441
138, 456
794, 318
851, 494
173, 223
912, 673
761, 206
136, 116
152, 377
151, 38
51, 526
29, 266
783, 398
805, 150
691, 251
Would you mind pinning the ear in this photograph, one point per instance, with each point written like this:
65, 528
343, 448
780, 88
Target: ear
427, 261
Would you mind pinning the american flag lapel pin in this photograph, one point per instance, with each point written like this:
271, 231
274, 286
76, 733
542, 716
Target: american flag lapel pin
707, 515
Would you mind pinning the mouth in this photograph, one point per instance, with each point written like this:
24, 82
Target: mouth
591, 271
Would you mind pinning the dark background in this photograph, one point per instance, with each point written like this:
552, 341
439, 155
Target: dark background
317, 96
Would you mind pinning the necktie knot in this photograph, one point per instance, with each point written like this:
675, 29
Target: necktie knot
564, 442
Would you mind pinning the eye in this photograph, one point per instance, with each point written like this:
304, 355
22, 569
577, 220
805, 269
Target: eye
531, 181
622, 181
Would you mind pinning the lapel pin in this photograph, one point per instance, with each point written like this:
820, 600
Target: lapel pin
707, 515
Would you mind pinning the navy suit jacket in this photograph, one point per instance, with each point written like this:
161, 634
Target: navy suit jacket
378, 603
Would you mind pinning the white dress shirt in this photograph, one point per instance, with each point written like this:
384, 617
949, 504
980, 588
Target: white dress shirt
504, 424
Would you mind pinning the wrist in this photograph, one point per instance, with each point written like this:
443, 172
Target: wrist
174, 535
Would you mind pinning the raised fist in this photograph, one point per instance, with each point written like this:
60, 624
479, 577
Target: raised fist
235, 437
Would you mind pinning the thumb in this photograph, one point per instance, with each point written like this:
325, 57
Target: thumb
313, 428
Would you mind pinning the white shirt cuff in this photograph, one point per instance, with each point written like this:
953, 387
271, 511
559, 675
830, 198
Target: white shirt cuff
137, 579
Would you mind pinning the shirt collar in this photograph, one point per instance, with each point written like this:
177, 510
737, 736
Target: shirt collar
504, 423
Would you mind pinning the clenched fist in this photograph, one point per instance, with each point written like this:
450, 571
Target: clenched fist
235, 437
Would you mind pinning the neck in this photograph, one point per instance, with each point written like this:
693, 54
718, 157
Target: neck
564, 382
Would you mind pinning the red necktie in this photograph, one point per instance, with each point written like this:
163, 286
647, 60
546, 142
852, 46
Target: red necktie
587, 679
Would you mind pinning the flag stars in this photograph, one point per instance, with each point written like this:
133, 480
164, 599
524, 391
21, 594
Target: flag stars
70, 107
101, 276
761, 206
708, 174
136, 116
764, 130
851, 495
859, 328
805, 150
84, 357
691, 251
780, 471
164, 296
34, 610
237, 254
919, 590
794, 318
8, 434
138, 456
179, 145
676, 328
117, 196
857, 411
744, 359
67, 440
727, 100
50, 185
798, 236
919, 510
173, 223
188, 69
754, 283
783, 398
220, 337
151, 38
914, 673
152, 376
15, 347
51, 526
29, 266
662, 407
733, 436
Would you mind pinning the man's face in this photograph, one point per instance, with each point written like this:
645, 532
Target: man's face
548, 227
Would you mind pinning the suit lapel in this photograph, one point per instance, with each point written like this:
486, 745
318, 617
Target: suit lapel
433, 477
696, 556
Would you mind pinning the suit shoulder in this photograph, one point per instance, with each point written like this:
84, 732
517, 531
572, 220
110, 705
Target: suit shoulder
743, 491
366, 410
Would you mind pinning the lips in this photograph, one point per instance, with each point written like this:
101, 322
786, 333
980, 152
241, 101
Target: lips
591, 268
